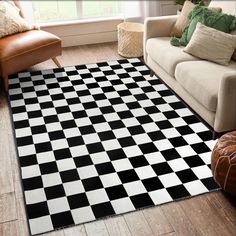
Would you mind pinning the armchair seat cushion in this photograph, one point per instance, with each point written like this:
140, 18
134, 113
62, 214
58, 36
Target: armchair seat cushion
202, 80
19, 51
166, 55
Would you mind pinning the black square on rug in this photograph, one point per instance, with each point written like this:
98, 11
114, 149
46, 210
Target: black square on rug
102, 139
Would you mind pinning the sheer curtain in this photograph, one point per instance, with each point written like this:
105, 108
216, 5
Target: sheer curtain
138, 10
134, 10
28, 10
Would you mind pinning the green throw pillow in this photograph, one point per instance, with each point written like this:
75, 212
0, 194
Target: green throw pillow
219, 21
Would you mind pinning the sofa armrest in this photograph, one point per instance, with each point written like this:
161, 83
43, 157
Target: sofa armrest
157, 27
225, 119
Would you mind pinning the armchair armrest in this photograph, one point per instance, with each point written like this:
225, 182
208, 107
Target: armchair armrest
157, 27
225, 119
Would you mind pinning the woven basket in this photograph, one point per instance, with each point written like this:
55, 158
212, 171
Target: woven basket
130, 39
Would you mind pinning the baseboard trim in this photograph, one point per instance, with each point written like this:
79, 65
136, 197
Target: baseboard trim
102, 37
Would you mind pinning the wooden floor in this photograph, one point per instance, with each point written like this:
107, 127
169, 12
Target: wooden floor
208, 214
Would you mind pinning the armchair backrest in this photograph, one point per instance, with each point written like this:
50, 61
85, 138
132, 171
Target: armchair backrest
228, 7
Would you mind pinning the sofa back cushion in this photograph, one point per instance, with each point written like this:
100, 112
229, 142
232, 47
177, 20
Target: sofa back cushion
219, 21
234, 54
228, 7
182, 20
168, 57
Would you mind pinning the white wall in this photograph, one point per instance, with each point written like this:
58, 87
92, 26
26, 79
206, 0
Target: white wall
168, 8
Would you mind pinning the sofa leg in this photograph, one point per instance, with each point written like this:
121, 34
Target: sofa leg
152, 73
5, 82
56, 62
216, 135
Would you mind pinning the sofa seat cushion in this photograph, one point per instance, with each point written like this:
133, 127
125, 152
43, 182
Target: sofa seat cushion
202, 80
166, 55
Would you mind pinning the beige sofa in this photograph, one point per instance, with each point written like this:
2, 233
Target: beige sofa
208, 88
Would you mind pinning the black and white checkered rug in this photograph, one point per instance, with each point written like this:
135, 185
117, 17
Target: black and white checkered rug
102, 139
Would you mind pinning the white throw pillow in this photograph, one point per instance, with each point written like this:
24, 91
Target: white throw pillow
234, 54
211, 44
10, 20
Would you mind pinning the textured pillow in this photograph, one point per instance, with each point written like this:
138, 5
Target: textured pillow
183, 20
219, 21
211, 44
234, 54
10, 20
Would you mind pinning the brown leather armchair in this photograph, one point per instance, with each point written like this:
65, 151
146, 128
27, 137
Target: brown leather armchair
22, 50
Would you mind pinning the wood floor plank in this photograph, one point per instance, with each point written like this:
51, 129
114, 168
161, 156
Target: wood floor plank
17, 182
223, 215
199, 216
82, 55
137, 224
18, 189
170, 234
14, 228
211, 219
8, 229
97, 228
6, 176
22, 228
15, 167
7, 207
178, 219
55, 233
223, 204
75, 231
117, 226
4, 111
20, 208
157, 221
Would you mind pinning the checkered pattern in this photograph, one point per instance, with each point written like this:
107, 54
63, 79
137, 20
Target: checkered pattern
102, 139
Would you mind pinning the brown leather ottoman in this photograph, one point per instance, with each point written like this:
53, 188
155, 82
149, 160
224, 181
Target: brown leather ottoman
223, 162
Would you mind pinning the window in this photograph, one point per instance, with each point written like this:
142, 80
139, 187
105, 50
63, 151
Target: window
102, 8
51, 11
